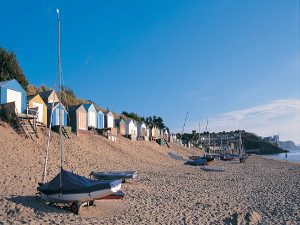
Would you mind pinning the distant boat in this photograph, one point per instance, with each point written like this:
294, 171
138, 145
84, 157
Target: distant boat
196, 162
114, 175
207, 157
226, 157
212, 169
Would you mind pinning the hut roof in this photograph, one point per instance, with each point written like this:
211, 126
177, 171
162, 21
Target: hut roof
4, 82
45, 94
119, 120
49, 105
29, 97
74, 107
108, 112
88, 106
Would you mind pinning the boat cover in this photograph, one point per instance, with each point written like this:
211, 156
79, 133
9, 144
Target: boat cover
72, 184
114, 175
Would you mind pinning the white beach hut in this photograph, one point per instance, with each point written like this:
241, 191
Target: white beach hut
141, 129
109, 120
131, 128
91, 115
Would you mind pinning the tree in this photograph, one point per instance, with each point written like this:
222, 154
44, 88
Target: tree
10, 69
133, 116
154, 121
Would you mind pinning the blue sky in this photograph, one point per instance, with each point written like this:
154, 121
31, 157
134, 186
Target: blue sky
163, 57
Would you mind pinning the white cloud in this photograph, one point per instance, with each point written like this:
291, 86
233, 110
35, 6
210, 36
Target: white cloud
278, 117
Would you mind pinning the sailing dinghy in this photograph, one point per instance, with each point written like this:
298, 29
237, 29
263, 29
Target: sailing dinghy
114, 175
68, 187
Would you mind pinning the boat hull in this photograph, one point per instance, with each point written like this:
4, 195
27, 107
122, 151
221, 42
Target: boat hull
82, 197
124, 175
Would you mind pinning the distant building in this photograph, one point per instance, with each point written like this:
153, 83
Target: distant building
272, 139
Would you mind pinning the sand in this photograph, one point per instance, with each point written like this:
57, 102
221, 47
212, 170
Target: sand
260, 191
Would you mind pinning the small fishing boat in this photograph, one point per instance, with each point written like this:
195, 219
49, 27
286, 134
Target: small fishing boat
196, 162
114, 175
207, 157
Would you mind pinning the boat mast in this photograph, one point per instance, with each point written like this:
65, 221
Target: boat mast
184, 124
59, 90
199, 134
48, 142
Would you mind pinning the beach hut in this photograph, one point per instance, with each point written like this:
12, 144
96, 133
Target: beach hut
77, 118
166, 135
55, 114
173, 138
141, 129
109, 119
148, 131
155, 133
131, 128
100, 119
91, 115
49, 96
36, 102
12, 91
121, 126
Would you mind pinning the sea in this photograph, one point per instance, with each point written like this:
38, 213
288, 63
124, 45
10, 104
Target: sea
293, 155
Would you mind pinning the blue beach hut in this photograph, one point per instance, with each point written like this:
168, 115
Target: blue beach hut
55, 114
100, 119
12, 91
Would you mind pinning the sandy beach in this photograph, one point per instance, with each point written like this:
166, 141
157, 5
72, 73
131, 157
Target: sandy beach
260, 191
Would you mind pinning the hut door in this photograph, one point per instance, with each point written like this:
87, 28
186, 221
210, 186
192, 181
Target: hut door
82, 121
57, 116
62, 117
15, 96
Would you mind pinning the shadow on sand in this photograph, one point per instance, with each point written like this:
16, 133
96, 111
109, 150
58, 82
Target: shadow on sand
35, 203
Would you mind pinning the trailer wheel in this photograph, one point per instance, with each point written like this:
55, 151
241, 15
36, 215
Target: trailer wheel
75, 208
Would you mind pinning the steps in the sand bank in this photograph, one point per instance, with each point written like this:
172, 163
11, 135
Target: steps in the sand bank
110, 133
25, 124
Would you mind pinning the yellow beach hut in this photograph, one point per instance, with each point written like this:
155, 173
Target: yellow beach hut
35, 101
